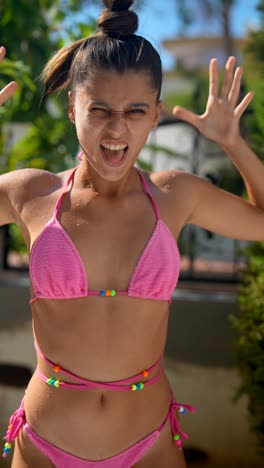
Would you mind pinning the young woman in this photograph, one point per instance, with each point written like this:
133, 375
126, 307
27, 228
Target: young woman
104, 259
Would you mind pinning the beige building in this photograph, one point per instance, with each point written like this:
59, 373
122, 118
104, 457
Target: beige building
196, 52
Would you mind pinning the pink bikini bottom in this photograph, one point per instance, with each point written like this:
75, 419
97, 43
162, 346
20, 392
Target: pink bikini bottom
125, 459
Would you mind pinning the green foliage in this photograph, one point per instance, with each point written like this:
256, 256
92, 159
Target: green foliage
249, 326
184, 99
254, 65
249, 343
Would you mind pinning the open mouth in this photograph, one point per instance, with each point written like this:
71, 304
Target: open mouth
114, 155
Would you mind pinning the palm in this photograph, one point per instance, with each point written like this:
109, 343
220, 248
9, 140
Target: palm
220, 121
9, 89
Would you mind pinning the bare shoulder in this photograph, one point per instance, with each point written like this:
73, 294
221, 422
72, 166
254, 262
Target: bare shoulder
183, 189
173, 179
23, 184
181, 183
21, 189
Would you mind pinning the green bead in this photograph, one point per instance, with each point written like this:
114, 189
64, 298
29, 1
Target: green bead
133, 388
112, 293
141, 385
49, 381
176, 437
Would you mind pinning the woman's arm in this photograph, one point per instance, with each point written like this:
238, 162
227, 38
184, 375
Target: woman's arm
9, 89
7, 214
212, 208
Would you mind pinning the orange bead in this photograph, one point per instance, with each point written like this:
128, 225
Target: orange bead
108, 293
145, 373
56, 368
10, 426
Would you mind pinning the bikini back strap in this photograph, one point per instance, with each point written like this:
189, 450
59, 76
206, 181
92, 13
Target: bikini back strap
59, 201
147, 190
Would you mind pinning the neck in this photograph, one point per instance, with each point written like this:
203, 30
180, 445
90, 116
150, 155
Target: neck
89, 178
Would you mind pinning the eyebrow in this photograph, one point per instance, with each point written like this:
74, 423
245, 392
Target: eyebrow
132, 104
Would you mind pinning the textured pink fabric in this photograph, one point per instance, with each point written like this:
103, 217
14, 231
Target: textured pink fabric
57, 271
125, 459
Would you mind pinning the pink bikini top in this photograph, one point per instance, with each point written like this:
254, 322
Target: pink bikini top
57, 270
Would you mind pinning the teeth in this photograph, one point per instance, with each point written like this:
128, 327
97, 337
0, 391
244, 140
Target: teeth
115, 147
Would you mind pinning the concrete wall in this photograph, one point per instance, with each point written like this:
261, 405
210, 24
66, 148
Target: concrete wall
199, 362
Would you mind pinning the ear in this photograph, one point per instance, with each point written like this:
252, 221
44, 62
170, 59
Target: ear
157, 113
71, 107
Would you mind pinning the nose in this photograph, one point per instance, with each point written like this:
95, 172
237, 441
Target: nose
117, 124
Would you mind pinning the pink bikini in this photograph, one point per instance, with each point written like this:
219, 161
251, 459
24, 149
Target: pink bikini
155, 277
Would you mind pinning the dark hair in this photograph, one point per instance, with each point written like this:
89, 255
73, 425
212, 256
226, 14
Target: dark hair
114, 47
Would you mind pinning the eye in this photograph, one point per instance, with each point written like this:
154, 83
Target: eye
136, 114
99, 111
137, 111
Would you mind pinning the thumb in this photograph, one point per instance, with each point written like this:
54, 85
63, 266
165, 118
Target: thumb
184, 114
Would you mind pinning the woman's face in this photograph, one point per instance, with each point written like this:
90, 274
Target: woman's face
114, 114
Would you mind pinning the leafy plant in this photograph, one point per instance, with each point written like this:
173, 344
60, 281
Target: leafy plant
249, 344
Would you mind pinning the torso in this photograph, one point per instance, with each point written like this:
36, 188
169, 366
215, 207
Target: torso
100, 339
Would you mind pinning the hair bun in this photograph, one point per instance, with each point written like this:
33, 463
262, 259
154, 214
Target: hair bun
117, 19
118, 5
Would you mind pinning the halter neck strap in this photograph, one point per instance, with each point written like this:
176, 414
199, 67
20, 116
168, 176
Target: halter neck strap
147, 190
59, 201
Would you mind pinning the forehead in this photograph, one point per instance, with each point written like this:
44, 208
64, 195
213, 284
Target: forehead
113, 87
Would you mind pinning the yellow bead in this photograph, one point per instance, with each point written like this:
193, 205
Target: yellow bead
57, 383
134, 388
7, 445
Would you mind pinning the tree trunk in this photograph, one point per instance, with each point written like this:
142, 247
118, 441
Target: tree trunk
227, 34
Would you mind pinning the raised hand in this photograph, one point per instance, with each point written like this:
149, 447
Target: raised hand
9, 89
220, 121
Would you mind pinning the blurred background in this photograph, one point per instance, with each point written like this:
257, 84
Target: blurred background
215, 348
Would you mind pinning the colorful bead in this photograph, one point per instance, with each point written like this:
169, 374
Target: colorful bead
133, 388
138, 386
53, 382
145, 373
10, 426
107, 293
7, 445
176, 437
56, 368
6, 450
182, 410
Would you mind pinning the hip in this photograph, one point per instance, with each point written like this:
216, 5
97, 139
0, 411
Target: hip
91, 419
